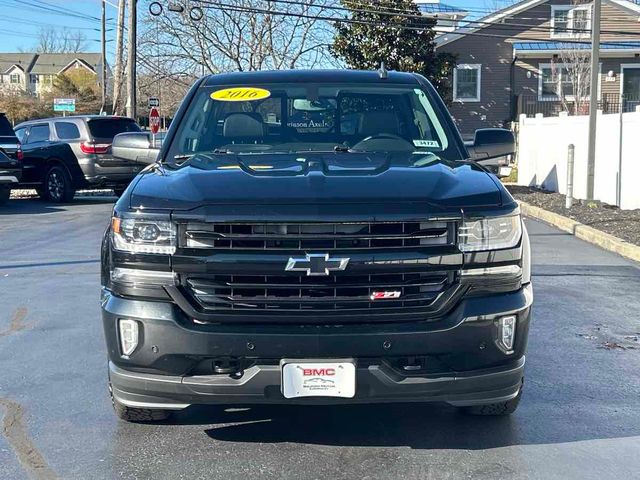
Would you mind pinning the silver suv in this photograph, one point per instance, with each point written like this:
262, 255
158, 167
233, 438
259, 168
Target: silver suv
64, 154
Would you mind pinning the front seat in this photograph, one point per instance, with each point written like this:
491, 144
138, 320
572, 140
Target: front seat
377, 122
244, 128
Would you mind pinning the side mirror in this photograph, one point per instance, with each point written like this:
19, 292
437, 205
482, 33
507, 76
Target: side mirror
492, 143
135, 147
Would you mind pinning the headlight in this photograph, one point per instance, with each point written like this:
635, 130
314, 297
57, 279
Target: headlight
490, 233
143, 235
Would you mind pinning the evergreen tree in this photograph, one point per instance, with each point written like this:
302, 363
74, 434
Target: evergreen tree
383, 38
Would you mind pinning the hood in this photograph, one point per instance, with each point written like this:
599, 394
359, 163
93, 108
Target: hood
305, 178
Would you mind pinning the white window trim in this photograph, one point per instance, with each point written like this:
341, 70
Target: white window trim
569, 98
570, 9
467, 66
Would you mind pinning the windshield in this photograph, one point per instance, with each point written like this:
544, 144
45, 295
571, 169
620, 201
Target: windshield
312, 118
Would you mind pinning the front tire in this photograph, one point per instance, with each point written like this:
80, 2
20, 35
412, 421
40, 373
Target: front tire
495, 409
137, 415
57, 185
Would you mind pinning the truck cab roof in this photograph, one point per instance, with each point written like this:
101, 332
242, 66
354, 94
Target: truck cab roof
311, 76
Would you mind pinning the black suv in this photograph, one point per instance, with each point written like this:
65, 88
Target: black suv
10, 159
64, 154
314, 237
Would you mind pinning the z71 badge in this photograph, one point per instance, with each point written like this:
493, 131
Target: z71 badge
386, 295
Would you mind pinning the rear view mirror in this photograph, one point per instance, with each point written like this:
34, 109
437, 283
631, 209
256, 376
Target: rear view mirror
135, 147
321, 105
492, 143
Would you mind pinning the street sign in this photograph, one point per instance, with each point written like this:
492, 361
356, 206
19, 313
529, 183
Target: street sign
154, 102
154, 120
64, 104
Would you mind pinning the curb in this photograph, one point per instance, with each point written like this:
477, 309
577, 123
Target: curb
583, 232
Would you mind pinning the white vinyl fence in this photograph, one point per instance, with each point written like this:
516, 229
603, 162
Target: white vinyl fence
542, 155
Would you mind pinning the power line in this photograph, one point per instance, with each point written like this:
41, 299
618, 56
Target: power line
242, 9
13, 20
404, 13
50, 9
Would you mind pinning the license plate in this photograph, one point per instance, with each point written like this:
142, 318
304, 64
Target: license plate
318, 379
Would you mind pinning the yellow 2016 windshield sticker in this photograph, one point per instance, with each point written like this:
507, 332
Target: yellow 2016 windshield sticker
240, 94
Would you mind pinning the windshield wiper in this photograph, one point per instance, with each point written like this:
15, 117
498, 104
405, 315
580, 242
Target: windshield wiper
217, 151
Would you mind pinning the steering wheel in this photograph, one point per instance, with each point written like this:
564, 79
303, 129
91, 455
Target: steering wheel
381, 137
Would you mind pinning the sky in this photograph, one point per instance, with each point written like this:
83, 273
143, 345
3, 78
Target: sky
21, 20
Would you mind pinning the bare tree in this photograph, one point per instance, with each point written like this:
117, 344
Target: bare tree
237, 36
72, 42
47, 40
574, 72
575, 78
68, 41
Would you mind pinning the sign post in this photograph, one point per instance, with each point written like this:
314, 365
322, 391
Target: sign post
154, 123
64, 105
154, 102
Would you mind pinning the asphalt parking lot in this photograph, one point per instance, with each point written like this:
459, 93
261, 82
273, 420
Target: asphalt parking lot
579, 417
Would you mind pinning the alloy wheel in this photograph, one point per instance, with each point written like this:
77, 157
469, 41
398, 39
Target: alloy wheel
55, 185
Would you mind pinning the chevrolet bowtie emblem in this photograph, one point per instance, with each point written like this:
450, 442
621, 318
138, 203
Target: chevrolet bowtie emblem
316, 264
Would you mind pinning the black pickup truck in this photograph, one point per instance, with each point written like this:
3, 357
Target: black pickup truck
315, 237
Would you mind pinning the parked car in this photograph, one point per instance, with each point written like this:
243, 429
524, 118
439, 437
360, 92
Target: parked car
10, 159
64, 154
301, 225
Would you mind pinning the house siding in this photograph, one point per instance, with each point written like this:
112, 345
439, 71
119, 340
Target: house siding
497, 102
495, 56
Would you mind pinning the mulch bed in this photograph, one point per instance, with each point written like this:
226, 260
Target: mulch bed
624, 224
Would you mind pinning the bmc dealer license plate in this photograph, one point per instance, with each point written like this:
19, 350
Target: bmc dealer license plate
318, 379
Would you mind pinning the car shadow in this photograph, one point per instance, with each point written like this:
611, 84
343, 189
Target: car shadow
414, 425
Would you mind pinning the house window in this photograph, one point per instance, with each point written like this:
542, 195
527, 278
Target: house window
466, 83
33, 78
14, 78
555, 82
568, 20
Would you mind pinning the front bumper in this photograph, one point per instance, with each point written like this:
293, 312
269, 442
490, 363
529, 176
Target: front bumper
99, 173
470, 368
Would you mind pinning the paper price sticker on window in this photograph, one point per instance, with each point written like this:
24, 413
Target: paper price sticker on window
240, 94
426, 143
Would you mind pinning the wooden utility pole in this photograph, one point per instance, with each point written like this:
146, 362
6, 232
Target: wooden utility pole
131, 60
117, 77
103, 40
593, 97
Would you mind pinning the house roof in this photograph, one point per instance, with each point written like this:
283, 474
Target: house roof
514, 9
435, 8
54, 63
22, 60
553, 46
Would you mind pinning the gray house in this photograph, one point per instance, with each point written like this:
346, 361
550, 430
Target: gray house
538, 67
34, 72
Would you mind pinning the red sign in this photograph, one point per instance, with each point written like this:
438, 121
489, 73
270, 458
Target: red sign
154, 120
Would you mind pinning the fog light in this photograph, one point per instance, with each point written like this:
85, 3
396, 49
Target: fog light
141, 278
128, 336
507, 331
